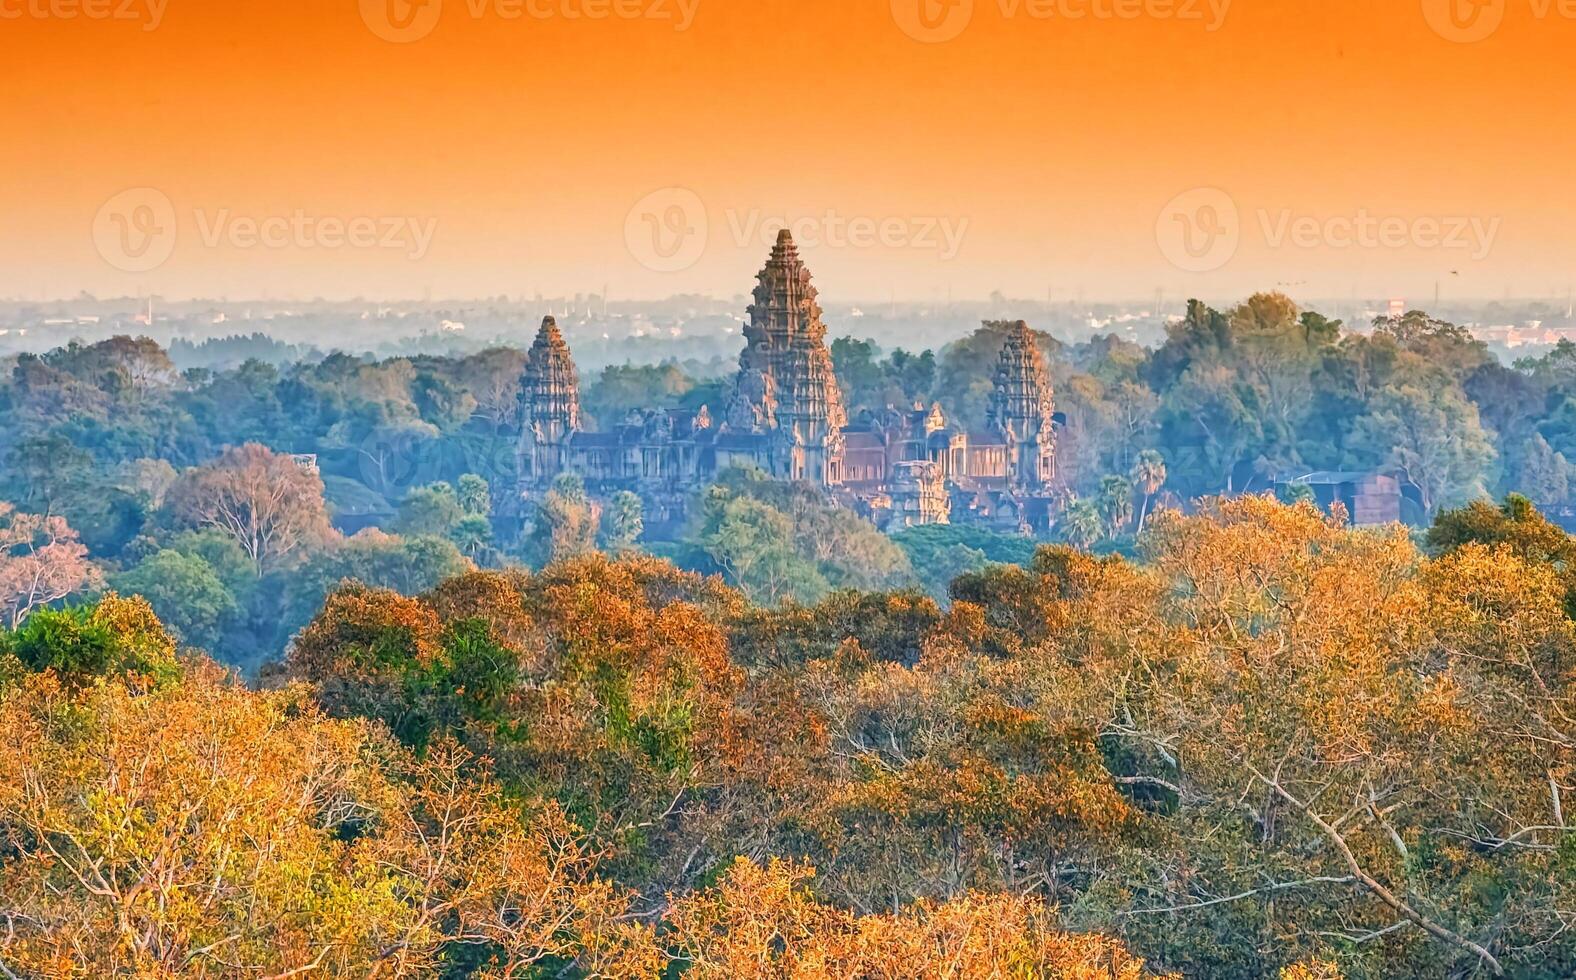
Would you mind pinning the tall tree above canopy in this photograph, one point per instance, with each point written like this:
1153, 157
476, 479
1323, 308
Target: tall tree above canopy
1440, 343
1430, 430
1148, 476
566, 522
41, 561
270, 504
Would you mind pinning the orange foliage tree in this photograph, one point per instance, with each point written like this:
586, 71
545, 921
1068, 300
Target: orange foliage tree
200, 829
41, 561
764, 924
266, 502
1273, 742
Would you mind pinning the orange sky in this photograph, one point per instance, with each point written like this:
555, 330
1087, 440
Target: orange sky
1049, 146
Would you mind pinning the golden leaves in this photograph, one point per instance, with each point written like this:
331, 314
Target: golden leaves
764, 924
203, 829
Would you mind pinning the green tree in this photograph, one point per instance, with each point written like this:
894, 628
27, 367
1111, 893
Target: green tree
221, 554
1541, 473
1431, 431
113, 636
432, 510
566, 523
753, 543
475, 495
408, 566
1115, 504
939, 553
1081, 524
185, 593
473, 536
1516, 525
1148, 476
623, 522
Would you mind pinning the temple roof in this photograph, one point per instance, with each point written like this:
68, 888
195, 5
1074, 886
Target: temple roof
743, 441
985, 438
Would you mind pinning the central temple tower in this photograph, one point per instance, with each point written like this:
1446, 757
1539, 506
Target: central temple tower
786, 389
549, 407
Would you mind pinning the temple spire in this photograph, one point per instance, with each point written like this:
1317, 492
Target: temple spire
549, 406
1022, 406
786, 385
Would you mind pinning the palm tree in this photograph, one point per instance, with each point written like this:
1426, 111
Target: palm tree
1149, 475
1081, 524
1115, 503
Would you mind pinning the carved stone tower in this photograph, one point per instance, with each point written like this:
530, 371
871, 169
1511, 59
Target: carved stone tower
786, 387
919, 495
549, 407
1021, 409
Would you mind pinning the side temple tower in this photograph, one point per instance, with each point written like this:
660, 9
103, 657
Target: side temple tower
1022, 408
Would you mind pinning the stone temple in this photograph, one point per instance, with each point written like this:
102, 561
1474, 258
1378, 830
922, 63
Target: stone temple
785, 415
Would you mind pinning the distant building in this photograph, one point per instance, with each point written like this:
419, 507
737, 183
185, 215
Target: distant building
785, 415
1371, 499
918, 496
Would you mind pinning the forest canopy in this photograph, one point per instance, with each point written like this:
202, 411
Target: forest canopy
1270, 744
